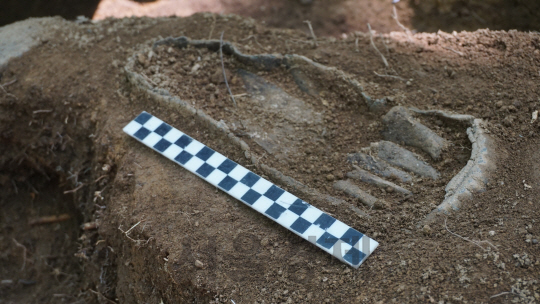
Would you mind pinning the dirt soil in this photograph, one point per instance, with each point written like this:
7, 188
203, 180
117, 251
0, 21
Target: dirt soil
141, 229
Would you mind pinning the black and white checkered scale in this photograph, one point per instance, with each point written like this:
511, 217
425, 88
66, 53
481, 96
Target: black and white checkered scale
317, 227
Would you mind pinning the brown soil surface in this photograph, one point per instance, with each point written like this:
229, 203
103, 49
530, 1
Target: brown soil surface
60, 126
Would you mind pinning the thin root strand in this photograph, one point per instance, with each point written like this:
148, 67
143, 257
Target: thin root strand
477, 243
375, 47
223, 68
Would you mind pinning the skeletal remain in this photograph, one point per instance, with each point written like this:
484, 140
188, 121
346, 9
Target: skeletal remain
382, 160
364, 176
379, 166
401, 126
364, 197
403, 159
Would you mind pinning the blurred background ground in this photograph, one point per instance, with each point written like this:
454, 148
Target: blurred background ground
329, 17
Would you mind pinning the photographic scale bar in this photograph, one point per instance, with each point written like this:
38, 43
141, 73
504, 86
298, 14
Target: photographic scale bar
331, 235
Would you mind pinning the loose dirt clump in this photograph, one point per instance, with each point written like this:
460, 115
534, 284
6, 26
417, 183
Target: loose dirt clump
163, 234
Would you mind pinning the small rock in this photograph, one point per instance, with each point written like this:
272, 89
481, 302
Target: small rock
115, 63
195, 68
535, 241
196, 223
330, 177
142, 60
491, 233
217, 77
508, 121
427, 230
264, 242
199, 264
534, 116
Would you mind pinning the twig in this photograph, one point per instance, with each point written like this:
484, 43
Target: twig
49, 219
100, 178
74, 190
129, 230
395, 17
42, 111
2, 86
223, 67
9, 83
315, 44
74, 176
213, 26
384, 43
502, 294
390, 76
375, 47
513, 291
240, 95
24, 252
457, 52
256, 41
356, 45
126, 233
90, 226
477, 243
